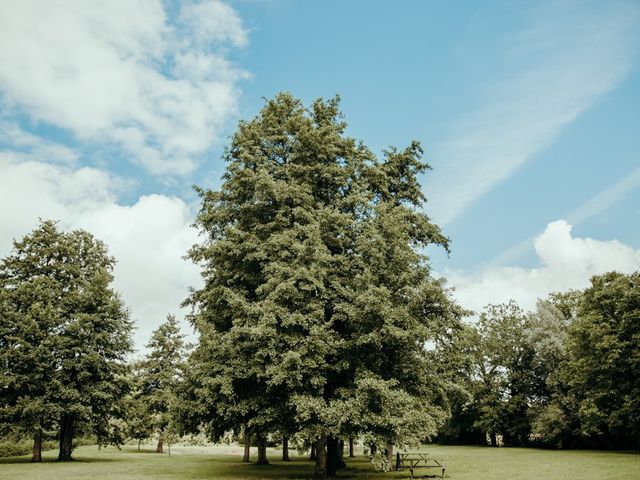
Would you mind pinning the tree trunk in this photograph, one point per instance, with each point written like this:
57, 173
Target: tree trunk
374, 449
159, 447
389, 452
494, 440
247, 447
334, 460
262, 450
351, 454
285, 449
313, 455
139, 441
341, 463
67, 432
36, 451
321, 458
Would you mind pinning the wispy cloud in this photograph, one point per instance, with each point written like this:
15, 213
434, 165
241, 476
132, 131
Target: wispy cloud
575, 54
124, 75
16, 141
605, 199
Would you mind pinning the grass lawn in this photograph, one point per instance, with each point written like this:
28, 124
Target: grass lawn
195, 463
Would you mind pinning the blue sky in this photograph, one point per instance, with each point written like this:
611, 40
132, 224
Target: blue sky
527, 111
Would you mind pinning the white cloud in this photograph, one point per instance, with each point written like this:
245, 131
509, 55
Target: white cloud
213, 22
148, 238
566, 262
569, 67
122, 73
592, 207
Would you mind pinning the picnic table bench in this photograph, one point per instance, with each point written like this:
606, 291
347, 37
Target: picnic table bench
416, 460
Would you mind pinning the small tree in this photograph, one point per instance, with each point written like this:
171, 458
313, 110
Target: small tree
139, 421
160, 373
64, 336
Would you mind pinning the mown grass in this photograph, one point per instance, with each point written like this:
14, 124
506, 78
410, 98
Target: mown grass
200, 463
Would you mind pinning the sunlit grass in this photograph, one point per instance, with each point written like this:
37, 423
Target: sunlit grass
194, 463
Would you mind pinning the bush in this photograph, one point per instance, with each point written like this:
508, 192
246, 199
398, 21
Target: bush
380, 462
16, 448
550, 427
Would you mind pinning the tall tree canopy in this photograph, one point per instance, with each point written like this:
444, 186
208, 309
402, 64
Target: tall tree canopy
604, 360
63, 337
318, 301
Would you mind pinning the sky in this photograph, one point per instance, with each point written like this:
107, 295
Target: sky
528, 112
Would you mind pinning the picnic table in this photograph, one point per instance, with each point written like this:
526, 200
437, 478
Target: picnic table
415, 460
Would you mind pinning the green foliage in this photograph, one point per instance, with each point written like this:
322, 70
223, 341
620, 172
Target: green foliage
317, 300
380, 462
156, 380
604, 360
505, 367
162, 371
15, 447
562, 376
139, 421
64, 334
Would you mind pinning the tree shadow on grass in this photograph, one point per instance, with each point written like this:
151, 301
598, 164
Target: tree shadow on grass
296, 469
27, 460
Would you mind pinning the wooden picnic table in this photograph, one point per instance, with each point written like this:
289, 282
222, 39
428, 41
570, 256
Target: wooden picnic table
415, 460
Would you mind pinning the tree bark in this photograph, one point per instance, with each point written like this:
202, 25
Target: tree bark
351, 454
262, 450
373, 449
389, 452
36, 451
334, 460
67, 432
321, 458
159, 447
139, 441
247, 447
285, 449
494, 440
313, 455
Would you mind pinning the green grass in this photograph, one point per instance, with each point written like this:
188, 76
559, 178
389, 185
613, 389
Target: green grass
199, 463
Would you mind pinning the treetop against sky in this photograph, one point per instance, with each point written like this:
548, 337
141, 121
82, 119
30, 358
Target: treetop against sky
527, 113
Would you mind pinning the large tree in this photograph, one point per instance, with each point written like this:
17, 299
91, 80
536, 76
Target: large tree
493, 365
553, 414
318, 302
604, 360
63, 337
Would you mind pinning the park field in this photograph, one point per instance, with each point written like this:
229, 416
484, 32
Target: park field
200, 463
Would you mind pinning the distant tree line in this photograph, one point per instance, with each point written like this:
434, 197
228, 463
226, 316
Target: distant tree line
566, 375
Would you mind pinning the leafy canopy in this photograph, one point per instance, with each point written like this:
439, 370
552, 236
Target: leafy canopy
318, 300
